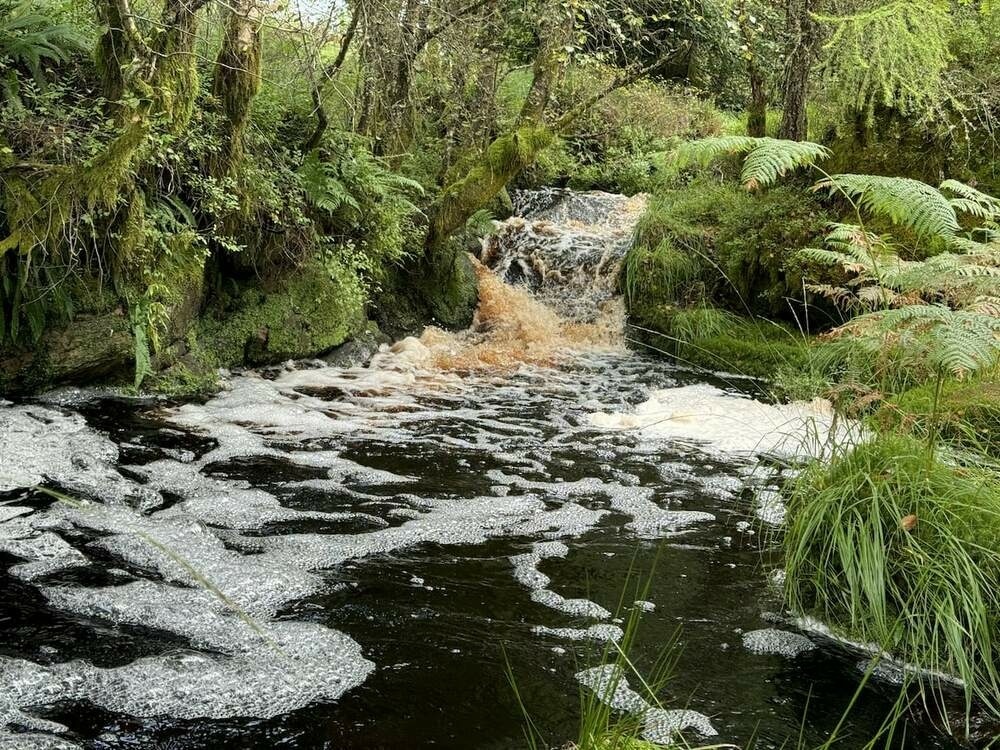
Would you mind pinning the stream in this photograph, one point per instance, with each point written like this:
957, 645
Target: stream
366, 555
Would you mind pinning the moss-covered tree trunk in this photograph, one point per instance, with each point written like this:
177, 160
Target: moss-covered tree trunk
236, 82
511, 152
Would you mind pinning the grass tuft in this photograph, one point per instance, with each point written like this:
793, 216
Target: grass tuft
895, 546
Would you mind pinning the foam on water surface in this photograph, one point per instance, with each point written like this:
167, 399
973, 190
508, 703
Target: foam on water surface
264, 498
726, 423
659, 725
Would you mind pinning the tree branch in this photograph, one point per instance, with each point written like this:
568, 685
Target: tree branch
345, 42
315, 90
627, 78
135, 38
445, 25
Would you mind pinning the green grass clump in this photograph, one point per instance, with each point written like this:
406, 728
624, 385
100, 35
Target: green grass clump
659, 273
893, 545
716, 339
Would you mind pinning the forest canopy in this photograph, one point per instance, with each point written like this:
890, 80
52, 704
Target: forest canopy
153, 147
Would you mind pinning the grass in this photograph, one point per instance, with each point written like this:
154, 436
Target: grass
896, 546
965, 413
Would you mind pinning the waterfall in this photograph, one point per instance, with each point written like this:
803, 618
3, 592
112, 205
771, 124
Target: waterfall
566, 247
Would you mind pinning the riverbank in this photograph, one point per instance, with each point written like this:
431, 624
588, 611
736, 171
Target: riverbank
893, 541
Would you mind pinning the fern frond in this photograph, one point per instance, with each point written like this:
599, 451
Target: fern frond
971, 201
985, 305
903, 201
706, 150
959, 342
767, 159
771, 158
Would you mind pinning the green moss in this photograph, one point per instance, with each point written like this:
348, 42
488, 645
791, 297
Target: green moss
967, 412
439, 289
187, 378
742, 243
304, 314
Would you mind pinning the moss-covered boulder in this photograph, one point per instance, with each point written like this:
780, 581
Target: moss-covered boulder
93, 347
305, 313
713, 242
441, 289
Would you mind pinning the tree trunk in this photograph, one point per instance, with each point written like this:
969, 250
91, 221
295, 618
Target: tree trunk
757, 113
510, 153
236, 83
804, 33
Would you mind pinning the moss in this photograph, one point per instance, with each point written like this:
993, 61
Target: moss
967, 412
304, 314
439, 289
743, 244
502, 160
92, 348
189, 377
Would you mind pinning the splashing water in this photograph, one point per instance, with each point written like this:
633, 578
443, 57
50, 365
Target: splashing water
324, 557
567, 248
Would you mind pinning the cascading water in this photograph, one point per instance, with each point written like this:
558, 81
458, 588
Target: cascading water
350, 557
566, 247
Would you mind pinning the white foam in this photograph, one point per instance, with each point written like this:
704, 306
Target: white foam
725, 423
779, 642
527, 574
39, 444
659, 725
770, 507
600, 633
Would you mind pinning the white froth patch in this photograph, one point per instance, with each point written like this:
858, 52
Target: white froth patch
293, 665
649, 520
39, 444
527, 574
778, 642
600, 633
725, 423
34, 741
770, 507
659, 725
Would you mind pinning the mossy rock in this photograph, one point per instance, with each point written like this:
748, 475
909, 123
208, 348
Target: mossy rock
441, 290
91, 348
740, 244
308, 312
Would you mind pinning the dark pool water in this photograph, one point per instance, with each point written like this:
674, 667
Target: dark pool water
438, 614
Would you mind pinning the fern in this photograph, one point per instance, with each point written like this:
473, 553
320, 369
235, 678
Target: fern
322, 187
903, 201
957, 342
766, 160
30, 39
979, 205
